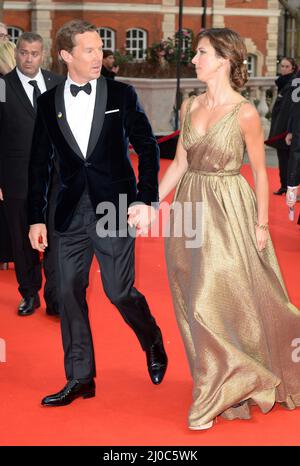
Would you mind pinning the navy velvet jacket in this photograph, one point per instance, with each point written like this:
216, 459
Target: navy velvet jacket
106, 172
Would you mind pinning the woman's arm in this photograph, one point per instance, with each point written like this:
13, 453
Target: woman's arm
254, 138
178, 166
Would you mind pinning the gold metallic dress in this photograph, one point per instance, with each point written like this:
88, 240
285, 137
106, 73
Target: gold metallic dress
239, 329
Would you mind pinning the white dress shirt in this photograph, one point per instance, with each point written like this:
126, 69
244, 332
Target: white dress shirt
79, 112
39, 78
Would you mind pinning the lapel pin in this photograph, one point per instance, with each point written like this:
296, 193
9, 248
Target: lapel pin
59, 114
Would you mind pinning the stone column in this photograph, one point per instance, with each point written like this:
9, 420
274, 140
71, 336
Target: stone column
218, 19
263, 109
272, 41
41, 23
169, 20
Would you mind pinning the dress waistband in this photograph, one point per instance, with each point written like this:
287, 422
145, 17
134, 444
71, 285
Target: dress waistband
226, 173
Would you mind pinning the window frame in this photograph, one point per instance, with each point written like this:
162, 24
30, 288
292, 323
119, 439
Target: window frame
104, 39
252, 65
12, 36
133, 51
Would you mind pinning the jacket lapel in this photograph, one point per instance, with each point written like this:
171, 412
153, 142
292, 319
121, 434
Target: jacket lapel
20, 92
99, 114
62, 119
48, 79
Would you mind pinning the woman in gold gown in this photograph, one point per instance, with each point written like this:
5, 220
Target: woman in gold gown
239, 329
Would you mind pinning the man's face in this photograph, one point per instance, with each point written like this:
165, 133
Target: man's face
3, 34
85, 60
29, 58
109, 62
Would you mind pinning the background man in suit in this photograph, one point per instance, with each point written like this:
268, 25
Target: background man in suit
90, 120
109, 69
17, 116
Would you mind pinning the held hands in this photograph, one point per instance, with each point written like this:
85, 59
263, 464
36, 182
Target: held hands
261, 237
141, 216
38, 236
291, 196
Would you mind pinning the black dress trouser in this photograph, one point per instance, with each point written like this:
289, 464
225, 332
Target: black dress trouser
6, 254
283, 159
115, 255
26, 259
27, 262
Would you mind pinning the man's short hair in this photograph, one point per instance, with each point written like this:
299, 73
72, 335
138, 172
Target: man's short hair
29, 37
107, 53
66, 34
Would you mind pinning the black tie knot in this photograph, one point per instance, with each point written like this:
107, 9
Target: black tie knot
34, 84
75, 89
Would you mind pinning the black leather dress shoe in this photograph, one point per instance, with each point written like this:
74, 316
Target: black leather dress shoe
280, 191
74, 389
157, 360
28, 305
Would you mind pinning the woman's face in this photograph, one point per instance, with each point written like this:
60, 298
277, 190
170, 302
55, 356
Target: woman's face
285, 67
206, 62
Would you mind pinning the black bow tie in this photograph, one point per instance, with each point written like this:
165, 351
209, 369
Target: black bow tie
75, 89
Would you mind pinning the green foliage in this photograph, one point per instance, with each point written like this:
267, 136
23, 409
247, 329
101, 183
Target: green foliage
122, 57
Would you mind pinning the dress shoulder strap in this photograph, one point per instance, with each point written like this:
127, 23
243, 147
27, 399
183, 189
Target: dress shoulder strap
239, 105
188, 110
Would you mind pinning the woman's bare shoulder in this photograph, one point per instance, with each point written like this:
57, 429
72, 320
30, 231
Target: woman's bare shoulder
247, 112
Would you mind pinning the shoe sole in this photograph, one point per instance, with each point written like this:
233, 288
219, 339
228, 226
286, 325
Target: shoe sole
85, 396
206, 426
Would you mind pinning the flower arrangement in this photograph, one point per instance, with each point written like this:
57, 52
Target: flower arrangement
167, 51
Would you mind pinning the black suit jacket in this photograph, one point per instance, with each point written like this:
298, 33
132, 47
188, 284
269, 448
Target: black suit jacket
106, 172
17, 119
281, 113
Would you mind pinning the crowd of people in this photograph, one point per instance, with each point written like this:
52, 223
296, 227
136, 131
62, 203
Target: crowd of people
64, 152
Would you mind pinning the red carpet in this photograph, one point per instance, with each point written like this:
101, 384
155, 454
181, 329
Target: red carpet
128, 409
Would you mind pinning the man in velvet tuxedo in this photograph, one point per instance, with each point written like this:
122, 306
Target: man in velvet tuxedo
89, 121
17, 118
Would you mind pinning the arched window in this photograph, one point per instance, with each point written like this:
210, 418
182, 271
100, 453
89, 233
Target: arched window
108, 37
14, 33
251, 65
136, 43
